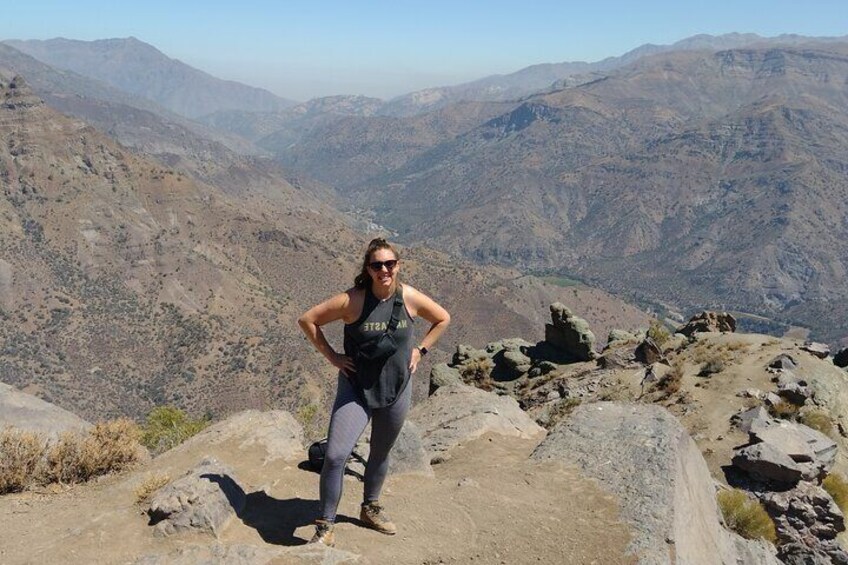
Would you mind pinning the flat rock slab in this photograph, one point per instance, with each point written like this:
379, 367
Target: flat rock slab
767, 462
203, 500
800, 442
240, 554
456, 414
642, 454
820, 350
275, 430
30, 413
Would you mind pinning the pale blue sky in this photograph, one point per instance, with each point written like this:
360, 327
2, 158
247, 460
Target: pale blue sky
301, 48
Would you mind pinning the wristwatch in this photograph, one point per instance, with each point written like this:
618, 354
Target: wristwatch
422, 350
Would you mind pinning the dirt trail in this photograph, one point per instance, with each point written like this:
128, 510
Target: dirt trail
487, 504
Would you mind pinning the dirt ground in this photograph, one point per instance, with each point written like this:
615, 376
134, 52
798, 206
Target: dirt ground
486, 504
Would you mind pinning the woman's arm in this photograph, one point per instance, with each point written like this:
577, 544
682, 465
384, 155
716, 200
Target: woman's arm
336, 308
419, 304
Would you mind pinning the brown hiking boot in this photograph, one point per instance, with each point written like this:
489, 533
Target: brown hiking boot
374, 517
324, 533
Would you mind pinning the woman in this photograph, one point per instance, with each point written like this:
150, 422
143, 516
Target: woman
379, 358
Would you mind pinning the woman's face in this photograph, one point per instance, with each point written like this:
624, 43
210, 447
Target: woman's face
383, 275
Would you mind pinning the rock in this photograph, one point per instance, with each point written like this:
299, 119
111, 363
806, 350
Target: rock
648, 352
751, 393
465, 353
570, 335
27, 412
615, 336
745, 420
783, 361
820, 350
275, 430
708, 322
772, 399
800, 442
841, 358
764, 461
807, 521
203, 500
543, 368
408, 454
458, 413
511, 364
795, 392
241, 554
644, 456
443, 375
621, 355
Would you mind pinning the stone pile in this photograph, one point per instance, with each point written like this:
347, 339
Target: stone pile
708, 321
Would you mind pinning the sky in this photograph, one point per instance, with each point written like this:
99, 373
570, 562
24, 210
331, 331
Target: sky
300, 49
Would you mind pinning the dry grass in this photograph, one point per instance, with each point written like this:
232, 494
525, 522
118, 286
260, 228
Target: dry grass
150, 485
784, 410
20, 455
671, 381
478, 372
746, 516
28, 459
837, 487
658, 332
712, 367
819, 420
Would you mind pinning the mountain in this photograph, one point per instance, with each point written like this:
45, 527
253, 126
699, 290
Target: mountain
125, 283
139, 68
533, 79
690, 178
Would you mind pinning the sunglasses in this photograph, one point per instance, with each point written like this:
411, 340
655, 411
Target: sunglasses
378, 265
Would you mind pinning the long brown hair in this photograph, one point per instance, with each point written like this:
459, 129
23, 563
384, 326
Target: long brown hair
363, 279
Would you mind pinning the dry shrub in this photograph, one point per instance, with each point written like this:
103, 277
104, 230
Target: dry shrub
658, 332
478, 372
745, 516
561, 410
108, 447
837, 487
671, 381
149, 485
818, 420
20, 455
711, 367
784, 410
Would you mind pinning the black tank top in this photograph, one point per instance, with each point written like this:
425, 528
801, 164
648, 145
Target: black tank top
394, 375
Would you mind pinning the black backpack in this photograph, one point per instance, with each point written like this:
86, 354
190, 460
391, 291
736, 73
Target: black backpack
317, 452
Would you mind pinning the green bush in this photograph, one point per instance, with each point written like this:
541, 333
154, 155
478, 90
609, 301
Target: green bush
837, 487
746, 516
167, 427
658, 332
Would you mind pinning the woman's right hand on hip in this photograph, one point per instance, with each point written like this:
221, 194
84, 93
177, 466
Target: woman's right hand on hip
343, 363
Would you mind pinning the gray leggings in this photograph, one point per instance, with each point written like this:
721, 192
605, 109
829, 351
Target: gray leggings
350, 416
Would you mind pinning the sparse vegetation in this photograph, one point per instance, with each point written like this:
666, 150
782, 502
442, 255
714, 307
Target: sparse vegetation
28, 459
746, 516
837, 487
306, 416
478, 372
819, 420
561, 410
784, 410
712, 367
658, 332
671, 381
150, 484
168, 426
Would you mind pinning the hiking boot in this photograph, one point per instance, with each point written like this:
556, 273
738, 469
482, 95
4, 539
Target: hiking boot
374, 517
324, 533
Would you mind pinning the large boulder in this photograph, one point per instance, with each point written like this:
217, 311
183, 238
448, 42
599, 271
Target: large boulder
648, 352
820, 350
27, 412
569, 334
458, 413
442, 375
802, 443
204, 500
708, 321
276, 431
766, 462
642, 454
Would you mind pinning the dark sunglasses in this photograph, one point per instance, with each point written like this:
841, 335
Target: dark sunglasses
378, 265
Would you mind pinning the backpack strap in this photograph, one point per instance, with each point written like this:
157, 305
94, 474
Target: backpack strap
396, 309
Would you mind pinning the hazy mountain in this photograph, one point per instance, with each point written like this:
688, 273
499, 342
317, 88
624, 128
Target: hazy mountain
692, 178
535, 78
138, 68
125, 283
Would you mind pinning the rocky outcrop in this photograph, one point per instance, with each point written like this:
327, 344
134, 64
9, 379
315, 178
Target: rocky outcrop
275, 430
804, 445
783, 361
708, 321
648, 352
204, 500
27, 412
644, 456
569, 334
768, 463
443, 375
458, 413
807, 521
820, 350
